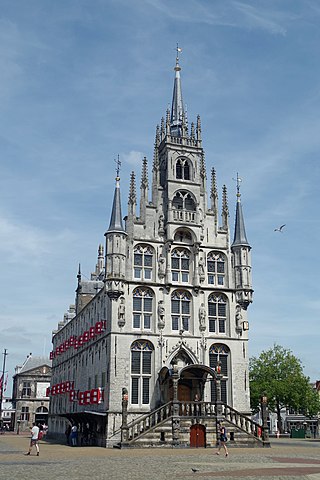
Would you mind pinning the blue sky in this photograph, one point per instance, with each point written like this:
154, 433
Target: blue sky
83, 81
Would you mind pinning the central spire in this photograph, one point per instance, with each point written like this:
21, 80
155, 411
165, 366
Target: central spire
177, 109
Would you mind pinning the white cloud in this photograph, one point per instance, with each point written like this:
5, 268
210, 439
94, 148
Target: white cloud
133, 157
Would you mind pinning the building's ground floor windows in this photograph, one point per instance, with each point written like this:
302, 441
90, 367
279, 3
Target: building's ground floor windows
141, 370
219, 357
25, 414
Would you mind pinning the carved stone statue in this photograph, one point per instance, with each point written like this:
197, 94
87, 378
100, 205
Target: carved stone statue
161, 223
201, 267
202, 316
121, 313
161, 314
162, 266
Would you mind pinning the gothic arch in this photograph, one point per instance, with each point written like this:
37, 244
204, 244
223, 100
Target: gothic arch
184, 169
184, 235
184, 200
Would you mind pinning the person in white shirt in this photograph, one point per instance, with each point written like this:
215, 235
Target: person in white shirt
34, 430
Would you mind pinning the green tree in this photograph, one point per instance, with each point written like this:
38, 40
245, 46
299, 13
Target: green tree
279, 374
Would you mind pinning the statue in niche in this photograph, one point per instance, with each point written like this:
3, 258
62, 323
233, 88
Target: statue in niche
161, 223
161, 314
121, 313
202, 316
162, 266
238, 315
201, 268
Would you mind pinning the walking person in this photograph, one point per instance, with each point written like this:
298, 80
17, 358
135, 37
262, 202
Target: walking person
34, 439
222, 439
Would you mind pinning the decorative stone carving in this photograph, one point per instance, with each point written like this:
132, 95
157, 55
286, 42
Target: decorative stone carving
121, 313
161, 266
161, 314
202, 317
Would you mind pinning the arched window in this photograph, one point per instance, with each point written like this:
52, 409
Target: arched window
142, 308
217, 313
183, 169
216, 268
220, 353
143, 262
184, 201
180, 310
180, 260
141, 370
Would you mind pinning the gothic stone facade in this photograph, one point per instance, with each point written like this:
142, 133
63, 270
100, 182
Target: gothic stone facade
172, 290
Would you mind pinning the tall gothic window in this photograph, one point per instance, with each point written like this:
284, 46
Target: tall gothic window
216, 268
183, 169
180, 261
217, 313
143, 262
180, 310
142, 308
141, 370
221, 353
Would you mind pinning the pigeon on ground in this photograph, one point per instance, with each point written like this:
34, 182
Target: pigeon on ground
194, 470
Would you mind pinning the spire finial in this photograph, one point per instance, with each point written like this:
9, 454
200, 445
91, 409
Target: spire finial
238, 180
178, 50
118, 163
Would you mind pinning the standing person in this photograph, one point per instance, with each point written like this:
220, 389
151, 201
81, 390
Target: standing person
74, 435
34, 439
68, 433
222, 439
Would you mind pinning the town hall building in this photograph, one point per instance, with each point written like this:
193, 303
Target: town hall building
155, 349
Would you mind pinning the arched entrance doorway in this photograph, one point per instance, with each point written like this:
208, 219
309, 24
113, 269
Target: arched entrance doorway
191, 383
41, 415
197, 436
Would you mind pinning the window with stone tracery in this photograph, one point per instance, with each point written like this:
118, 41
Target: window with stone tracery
217, 313
216, 268
180, 265
141, 371
180, 310
183, 170
220, 353
142, 308
143, 262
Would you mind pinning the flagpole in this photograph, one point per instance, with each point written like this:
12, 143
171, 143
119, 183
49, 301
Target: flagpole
2, 384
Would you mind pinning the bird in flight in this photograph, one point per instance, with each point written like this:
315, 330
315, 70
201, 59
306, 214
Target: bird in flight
280, 228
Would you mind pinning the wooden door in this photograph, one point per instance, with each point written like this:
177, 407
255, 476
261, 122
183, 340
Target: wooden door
197, 436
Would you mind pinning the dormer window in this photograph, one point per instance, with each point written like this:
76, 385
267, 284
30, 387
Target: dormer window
183, 169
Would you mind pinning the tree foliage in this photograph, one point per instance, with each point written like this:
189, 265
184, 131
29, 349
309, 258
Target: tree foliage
279, 374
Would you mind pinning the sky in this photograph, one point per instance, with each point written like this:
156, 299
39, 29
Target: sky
83, 81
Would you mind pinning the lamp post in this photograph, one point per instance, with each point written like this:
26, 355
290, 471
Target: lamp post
124, 425
264, 414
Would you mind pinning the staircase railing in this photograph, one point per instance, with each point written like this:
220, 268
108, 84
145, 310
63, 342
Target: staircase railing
147, 423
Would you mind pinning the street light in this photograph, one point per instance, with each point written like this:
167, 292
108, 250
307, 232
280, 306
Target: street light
264, 414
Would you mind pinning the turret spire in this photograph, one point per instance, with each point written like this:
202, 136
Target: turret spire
240, 237
177, 109
116, 216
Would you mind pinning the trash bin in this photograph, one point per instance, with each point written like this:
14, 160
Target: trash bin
297, 433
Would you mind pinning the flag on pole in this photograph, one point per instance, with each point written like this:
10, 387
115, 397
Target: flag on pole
1, 381
5, 384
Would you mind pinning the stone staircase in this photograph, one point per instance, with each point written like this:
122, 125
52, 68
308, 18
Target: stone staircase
156, 428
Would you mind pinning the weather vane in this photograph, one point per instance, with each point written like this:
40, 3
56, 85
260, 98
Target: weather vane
118, 163
179, 50
238, 180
